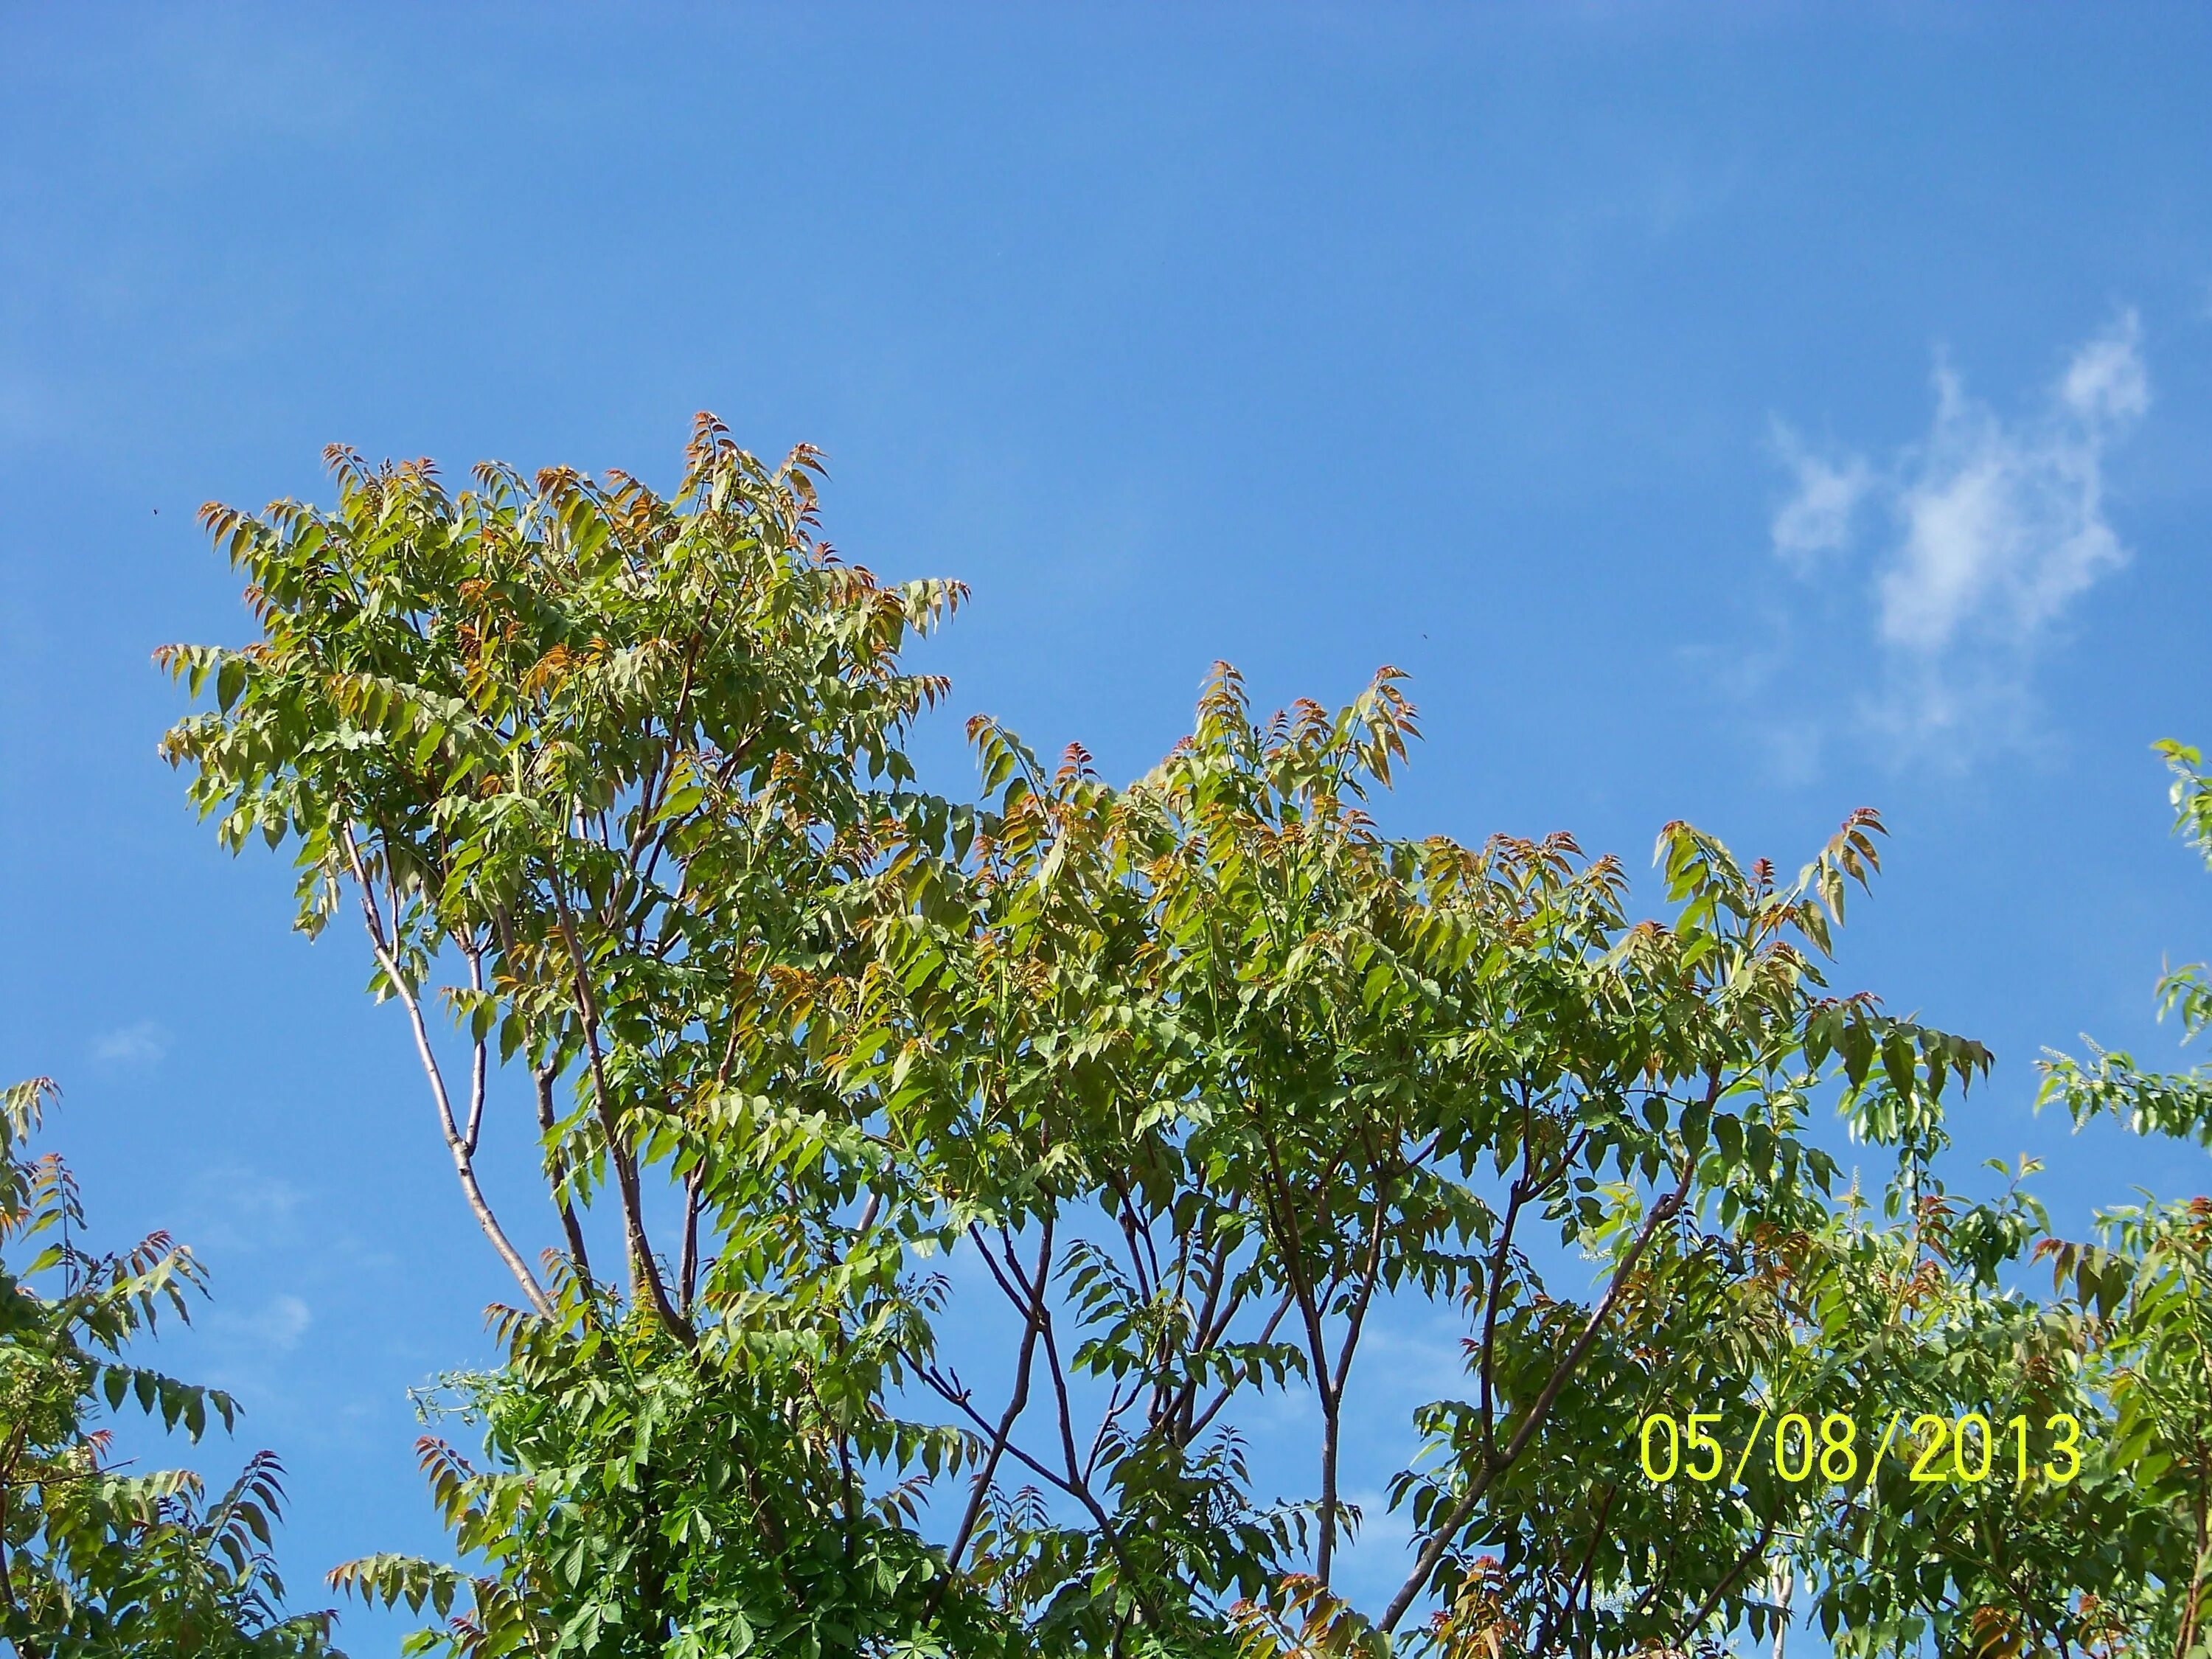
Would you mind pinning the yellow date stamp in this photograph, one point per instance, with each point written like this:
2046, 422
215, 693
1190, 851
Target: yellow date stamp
1967, 1450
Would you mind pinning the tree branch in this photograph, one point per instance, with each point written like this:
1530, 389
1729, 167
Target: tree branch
1495, 1464
464, 1164
479, 1061
644, 1270
1015, 1407
687, 1273
557, 1167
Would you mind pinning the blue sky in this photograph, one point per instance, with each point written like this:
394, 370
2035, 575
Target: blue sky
1740, 415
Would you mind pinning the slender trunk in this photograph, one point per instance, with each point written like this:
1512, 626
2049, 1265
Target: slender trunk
1493, 1294
557, 1167
644, 1270
852, 1497
687, 1276
1441, 1536
1281, 1205
1333, 1387
1331, 1415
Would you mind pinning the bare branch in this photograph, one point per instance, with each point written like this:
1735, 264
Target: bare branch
464, 1163
1015, 1407
479, 1062
1496, 1463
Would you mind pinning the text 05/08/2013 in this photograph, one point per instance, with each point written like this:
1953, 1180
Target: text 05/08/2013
1965, 1450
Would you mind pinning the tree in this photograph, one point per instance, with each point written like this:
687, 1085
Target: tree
615, 760
2148, 1288
94, 1562
594, 746
1197, 1076
1294, 1066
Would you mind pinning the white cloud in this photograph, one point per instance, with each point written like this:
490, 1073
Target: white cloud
278, 1325
142, 1044
2106, 381
236, 1207
1817, 516
1996, 527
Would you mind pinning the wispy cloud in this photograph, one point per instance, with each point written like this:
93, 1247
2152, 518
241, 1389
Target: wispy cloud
1992, 528
1817, 517
276, 1326
237, 1208
144, 1043
253, 1351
